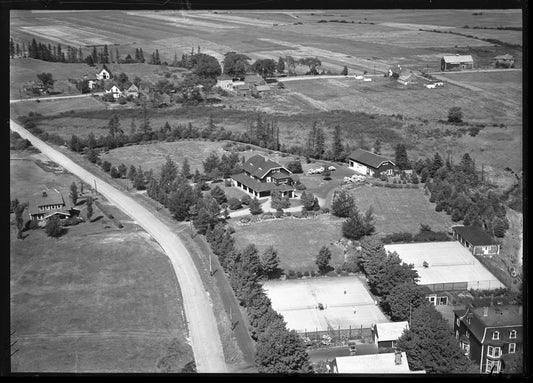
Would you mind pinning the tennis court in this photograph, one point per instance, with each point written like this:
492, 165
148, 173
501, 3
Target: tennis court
447, 263
346, 303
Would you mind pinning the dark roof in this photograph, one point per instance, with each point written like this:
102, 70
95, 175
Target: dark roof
507, 315
110, 85
368, 158
262, 88
259, 166
259, 186
242, 87
281, 176
475, 235
52, 198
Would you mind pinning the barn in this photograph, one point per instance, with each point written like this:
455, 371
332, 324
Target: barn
456, 62
371, 164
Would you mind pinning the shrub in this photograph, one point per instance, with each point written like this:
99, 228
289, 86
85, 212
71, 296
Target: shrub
291, 274
234, 203
31, 225
306, 273
227, 183
245, 200
299, 274
325, 210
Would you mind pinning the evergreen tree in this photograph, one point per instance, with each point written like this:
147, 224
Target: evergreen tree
344, 71
377, 147
354, 227
186, 169
338, 147
401, 157
139, 182
270, 261
343, 203
322, 260
74, 193
255, 206
280, 67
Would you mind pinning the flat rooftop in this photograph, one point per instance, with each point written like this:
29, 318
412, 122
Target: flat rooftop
448, 262
373, 364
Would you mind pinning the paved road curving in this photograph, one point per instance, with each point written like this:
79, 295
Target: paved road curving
205, 339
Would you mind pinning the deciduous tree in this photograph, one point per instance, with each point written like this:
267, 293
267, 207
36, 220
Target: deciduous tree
53, 227
255, 206
281, 351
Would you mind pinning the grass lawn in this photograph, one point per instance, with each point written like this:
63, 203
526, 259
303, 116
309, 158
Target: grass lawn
153, 156
400, 209
53, 107
298, 241
88, 301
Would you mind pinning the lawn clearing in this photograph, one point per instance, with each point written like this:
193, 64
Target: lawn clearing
153, 156
54, 107
398, 210
347, 301
89, 301
298, 241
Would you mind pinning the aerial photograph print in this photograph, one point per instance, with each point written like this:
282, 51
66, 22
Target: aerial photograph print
270, 191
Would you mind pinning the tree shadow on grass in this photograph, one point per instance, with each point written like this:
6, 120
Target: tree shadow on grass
97, 219
276, 274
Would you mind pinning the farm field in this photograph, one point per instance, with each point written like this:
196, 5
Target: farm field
400, 209
153, 156
87, 302
347, 301
54, 107
298, 241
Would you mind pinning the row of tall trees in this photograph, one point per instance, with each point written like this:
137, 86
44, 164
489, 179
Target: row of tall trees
315, 146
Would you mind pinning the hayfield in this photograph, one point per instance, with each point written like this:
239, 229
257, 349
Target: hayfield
55, 107
153, 156
298, 241
88, 302
398, 210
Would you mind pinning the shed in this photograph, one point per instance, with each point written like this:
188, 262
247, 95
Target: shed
386, 334
475, 239
367, 163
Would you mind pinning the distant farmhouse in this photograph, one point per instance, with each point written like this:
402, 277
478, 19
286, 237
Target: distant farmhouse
504, 61
131, 89
114, 90
489, 334
370, 164
51, 203
387, 334
252, 84
103, 74
262, 176
407, 77
456, 62
475, 239
394, 71
389, 363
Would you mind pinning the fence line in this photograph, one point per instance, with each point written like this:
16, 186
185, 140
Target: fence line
338, 334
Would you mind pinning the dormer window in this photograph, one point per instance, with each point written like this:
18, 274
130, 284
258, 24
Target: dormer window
512, 334
496, 335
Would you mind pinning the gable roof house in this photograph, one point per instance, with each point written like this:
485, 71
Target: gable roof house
488, 334
407, 77
386, 334
476, 240
388, 363
131, 89
262, 176
260, 90
394, 71
456, 62
504, 61
103, 74
367, 163
113, 89
242, 89
50, 203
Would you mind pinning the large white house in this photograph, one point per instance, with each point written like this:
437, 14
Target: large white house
370, 164
103, 74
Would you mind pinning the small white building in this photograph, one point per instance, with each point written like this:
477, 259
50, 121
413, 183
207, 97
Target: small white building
387, 334
370, 164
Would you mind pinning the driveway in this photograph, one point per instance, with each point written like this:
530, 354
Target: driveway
203, 332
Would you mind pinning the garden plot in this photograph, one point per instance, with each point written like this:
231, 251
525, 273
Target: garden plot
346, 303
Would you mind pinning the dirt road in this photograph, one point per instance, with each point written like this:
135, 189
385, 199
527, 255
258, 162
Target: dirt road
203, 332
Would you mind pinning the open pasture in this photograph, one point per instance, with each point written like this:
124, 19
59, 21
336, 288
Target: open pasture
298, 241
346, 300
88, 301
400, 209
153, 156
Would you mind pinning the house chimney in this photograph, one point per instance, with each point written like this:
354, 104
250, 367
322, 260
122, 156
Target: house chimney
397, 358
485, 311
